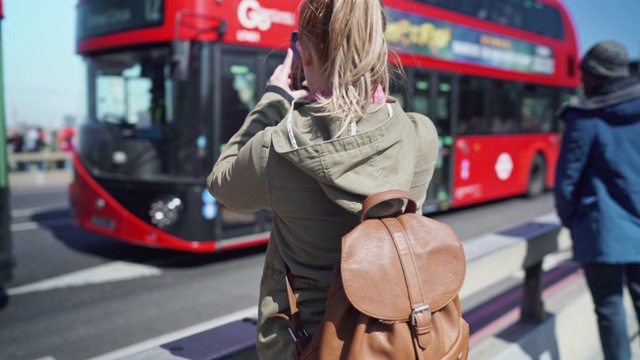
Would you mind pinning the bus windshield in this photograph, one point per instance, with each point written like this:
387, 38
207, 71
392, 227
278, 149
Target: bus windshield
133, 97
133, 89
134, 116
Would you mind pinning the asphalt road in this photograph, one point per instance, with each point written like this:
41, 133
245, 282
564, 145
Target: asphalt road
77, 295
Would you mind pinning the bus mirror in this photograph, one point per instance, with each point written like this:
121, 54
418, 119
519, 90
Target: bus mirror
181, 51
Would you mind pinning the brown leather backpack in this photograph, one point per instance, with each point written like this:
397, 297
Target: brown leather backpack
394, 294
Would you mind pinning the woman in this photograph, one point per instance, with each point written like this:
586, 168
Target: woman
313, 159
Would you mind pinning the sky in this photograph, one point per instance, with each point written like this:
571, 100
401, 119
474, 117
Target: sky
45, 80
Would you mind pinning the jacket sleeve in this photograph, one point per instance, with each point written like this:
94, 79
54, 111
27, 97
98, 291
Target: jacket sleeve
239, 179
574, 154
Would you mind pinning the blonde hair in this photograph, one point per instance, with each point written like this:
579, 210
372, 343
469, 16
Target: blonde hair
348, 38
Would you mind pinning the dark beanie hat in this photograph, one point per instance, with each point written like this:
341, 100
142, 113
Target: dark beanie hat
607, 59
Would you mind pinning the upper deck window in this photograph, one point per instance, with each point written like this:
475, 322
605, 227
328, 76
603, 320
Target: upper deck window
529, 15
98, 18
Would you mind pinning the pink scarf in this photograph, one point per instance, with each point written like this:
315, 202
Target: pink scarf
377, 98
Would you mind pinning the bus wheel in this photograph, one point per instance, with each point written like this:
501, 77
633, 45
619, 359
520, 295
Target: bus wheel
537, 176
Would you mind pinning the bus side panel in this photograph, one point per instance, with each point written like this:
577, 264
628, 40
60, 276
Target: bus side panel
497, 166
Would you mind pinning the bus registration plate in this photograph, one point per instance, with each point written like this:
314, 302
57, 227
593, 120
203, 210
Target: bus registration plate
103, 222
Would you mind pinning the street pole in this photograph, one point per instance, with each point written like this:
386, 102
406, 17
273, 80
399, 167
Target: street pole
6, 259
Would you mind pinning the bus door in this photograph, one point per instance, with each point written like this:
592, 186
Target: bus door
432, 94
243, 74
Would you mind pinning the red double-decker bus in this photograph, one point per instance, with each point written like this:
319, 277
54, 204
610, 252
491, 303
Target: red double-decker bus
169, 81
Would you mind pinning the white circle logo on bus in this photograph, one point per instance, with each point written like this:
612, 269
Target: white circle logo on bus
504, 166
465, 169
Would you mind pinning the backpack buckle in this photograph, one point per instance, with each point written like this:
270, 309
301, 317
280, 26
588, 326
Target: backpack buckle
422, 325
418, 310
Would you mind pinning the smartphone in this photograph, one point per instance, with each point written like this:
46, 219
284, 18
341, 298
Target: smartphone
297, 72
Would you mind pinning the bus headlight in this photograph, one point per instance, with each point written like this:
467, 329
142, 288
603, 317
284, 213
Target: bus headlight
165, 211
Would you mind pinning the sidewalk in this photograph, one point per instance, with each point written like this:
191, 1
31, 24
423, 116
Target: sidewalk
40, 179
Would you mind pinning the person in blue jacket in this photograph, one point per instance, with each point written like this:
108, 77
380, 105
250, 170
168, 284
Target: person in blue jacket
597, 190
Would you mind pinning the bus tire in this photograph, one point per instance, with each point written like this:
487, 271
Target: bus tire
537, 176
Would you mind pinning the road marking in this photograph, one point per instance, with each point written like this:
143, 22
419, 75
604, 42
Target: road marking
47, 358
36, 210
251, 312
111, 272
35, 190
33, 225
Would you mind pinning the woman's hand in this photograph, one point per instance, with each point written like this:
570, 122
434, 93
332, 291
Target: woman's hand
280, 78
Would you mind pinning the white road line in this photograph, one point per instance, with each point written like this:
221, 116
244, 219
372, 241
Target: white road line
35, 190
163, 339
32, 225
36, 210
111, 272
46, 358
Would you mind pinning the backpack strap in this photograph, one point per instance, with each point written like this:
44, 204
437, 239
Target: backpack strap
420, 318
387, 195
300, 336
296, 329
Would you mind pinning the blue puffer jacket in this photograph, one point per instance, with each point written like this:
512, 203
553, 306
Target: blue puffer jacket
598, 175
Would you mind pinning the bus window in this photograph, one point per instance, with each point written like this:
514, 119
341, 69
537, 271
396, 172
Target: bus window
472, 105
239, 94
421, 93
538, 104
543, 19
467, 7
239, 76
503, 110
442, 118
529, 15
138, 95
110, 102
440, 187
142, 111
507, 12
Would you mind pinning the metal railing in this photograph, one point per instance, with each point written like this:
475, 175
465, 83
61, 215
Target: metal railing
39, 169
26, 161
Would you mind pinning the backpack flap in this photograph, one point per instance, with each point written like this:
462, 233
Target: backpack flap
377, 270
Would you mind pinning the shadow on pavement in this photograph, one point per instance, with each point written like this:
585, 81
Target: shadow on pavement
60, 225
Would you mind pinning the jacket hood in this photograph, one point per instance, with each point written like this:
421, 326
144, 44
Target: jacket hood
352, 166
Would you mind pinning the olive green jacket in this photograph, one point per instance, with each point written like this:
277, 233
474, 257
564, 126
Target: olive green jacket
287, 161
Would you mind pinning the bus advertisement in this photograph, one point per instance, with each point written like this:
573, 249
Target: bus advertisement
170, 81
